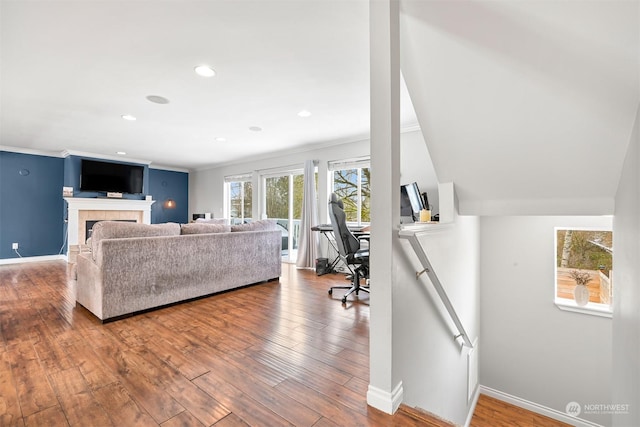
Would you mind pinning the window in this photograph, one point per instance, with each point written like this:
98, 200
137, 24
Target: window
584, 263
239, 198
283, 192
350, 180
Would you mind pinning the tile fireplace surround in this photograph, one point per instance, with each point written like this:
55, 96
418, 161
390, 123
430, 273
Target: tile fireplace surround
80, 210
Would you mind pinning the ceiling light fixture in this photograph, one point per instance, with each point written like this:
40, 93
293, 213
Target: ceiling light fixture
220, 139
304, 113
121, 153
205, 71
255, 128
129, 117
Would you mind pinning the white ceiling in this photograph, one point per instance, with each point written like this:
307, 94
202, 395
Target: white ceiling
527, 106
70, 69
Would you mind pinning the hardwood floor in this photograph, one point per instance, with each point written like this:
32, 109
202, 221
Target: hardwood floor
492, 412
278, 353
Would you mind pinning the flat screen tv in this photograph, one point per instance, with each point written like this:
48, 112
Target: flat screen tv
111, 177
410, 201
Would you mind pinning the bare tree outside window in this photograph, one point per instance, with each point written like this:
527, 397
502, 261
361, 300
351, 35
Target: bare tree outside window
240, 201
277, 199
353, 187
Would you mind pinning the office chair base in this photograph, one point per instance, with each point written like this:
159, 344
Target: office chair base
337, 287
353, 289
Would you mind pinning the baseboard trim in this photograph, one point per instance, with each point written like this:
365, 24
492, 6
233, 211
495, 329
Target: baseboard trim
21, 260
537, 408
383, 400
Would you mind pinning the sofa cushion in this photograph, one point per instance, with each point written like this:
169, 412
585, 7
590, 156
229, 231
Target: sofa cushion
121, 229
204, 228
212, 221
260, 225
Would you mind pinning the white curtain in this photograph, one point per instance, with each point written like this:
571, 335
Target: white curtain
308, 247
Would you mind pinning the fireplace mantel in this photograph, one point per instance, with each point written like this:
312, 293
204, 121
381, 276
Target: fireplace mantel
80, 209
95, 204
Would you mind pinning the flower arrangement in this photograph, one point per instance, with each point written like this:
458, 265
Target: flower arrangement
580, 277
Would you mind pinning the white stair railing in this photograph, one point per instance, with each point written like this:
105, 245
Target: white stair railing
413, 238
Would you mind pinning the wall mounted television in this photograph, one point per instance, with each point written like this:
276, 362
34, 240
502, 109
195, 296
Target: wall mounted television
111, 177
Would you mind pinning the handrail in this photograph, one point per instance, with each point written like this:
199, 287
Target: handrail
412, 237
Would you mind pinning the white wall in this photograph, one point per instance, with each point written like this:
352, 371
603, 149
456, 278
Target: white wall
206, 193
206, 187
431, 364
416, 166
626, 317
530, 349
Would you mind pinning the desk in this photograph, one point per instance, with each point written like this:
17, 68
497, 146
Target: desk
360, 232
327, 231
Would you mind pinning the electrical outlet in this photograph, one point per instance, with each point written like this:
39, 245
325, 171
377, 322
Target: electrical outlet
14, 246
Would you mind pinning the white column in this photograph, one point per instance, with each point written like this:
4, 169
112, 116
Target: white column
385, 391
72, 225
626, 298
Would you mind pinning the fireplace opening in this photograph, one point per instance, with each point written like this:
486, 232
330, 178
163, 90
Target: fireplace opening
89, 225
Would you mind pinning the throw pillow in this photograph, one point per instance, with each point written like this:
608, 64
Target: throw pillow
260, 225
204, 228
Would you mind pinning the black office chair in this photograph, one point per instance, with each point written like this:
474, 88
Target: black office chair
356, 259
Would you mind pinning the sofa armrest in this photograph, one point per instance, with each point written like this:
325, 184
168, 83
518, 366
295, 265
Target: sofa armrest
89, 284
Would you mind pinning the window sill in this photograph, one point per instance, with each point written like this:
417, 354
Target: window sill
591, 308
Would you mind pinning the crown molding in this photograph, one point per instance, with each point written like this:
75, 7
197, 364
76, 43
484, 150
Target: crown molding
303, 149
66, 153
123, 159
33, 152
169, 168
286, 151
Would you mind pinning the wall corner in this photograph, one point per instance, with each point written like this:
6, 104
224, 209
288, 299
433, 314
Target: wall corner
387, 402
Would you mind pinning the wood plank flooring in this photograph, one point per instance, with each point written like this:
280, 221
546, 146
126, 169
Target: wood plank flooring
496, 413
274, 354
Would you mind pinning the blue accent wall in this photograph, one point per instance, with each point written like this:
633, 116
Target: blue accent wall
33, 212
165, 185
31, 204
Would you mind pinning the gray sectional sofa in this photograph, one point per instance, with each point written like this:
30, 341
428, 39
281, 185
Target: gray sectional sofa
137, 267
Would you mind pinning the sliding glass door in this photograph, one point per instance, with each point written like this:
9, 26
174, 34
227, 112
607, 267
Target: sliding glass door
283, 194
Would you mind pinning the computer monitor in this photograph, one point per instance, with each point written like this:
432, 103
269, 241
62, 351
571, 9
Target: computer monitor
410, 201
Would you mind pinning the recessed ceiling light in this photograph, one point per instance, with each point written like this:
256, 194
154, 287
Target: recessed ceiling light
122, 153
205, 71
255, 128
304, 113
157, 99
220, 139
128, 117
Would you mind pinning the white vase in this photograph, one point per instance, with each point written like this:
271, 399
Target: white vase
581, 295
